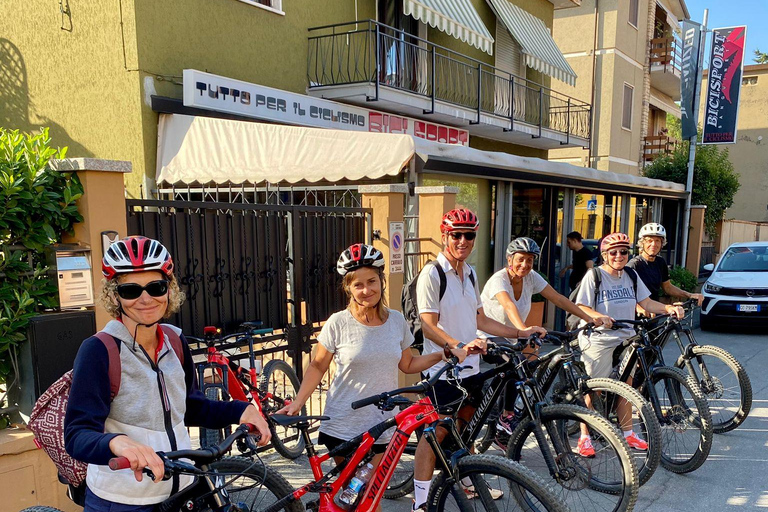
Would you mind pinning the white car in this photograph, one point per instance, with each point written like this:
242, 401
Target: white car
736, 293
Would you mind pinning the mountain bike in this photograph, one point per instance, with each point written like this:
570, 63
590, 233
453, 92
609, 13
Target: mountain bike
466, 481
721, 377
221, 483
542, 443
274, 388
679, 404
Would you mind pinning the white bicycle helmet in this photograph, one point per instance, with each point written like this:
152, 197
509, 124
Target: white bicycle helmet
523, 244
357, 256
653, 229
136, 254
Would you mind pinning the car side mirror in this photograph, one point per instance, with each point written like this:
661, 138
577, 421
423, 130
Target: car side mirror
709, 267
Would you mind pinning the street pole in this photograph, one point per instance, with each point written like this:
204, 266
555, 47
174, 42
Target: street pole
693, 140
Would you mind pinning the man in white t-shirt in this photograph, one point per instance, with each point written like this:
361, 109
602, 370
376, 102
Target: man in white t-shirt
453, 321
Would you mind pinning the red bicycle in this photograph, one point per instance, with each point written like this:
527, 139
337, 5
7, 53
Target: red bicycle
466, 481
223, 378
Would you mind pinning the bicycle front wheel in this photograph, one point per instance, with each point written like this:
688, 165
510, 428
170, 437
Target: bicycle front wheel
725, 385
492, 483
208, 436
605, 482
279, 383
686, 423
253, 484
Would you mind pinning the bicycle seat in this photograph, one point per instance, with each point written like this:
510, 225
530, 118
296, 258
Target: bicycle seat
252, 325
285, 420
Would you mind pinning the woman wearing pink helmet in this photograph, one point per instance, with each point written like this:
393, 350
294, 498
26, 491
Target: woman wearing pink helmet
613, 291
369, 343
158, 395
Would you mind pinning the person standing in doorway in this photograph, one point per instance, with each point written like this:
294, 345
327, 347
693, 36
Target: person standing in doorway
582, 259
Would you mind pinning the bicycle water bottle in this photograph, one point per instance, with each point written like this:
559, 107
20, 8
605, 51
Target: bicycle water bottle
348, 498
519, 405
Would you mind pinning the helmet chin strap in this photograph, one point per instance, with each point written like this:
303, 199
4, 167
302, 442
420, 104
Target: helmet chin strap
138, 324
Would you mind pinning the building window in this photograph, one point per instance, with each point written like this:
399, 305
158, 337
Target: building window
749, 80
634, 9
626, 112
270, 5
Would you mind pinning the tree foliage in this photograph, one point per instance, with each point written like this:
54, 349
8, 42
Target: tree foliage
760, 57
715, 181
37, 206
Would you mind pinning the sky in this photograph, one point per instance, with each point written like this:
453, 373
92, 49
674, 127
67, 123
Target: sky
729, 13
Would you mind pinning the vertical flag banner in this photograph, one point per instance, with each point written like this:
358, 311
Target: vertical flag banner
721, 98
690, 64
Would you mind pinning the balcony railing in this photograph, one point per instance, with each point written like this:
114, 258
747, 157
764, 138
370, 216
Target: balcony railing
373, 53
665, 52
656, 145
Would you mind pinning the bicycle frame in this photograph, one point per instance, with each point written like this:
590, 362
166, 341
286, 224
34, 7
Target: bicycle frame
407, 421
640, 347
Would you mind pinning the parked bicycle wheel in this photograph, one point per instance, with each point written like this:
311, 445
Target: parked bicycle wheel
606, 482
212, 437
725, 385
250, 482
487, 482
40, 508
686, 423
279, 382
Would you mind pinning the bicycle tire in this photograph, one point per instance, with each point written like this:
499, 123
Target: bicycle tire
259, 476
41, 508
523, 489
211, 437
286, 387
730, 413
645, 423
678, 418
577, 486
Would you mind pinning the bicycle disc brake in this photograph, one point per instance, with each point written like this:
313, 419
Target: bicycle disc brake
712, 387
571, 474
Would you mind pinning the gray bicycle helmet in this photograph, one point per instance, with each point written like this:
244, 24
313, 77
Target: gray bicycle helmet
523, 244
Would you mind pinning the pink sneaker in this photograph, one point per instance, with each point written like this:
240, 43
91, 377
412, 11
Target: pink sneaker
634, 442
585, 447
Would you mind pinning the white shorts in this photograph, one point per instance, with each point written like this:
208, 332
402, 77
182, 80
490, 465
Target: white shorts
598, 356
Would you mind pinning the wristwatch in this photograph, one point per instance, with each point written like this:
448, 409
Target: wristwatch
461, 345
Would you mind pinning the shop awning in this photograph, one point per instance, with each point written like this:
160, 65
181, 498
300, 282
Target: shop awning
540, 50
207, 150
204, 150
454, 17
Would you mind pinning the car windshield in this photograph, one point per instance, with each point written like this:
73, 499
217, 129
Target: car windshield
744, 259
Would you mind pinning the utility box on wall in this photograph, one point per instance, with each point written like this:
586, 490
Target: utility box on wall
72, 264
53, 340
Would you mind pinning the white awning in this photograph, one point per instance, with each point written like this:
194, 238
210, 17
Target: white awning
208, 150
454, 17
540, 50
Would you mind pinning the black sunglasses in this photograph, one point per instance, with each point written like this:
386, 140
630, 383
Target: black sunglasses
131, 291
623, 252
457, 236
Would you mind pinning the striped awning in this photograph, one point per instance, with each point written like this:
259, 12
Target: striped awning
454, 17
540, 50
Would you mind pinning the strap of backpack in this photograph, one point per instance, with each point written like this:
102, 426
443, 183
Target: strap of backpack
175, 341
633, 276
598, 279
114, 368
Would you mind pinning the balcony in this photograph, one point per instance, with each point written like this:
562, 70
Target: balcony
655, 146
665, 65
377, 66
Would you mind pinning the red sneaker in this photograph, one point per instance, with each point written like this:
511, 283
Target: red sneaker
634, 442
585, 447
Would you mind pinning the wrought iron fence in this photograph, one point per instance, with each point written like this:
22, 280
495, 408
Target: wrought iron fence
370, 52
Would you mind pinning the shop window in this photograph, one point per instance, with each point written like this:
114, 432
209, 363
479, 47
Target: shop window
634, 12
626, 113
270, 5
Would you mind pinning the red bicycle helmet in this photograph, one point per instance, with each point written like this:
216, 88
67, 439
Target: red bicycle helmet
459, 218
613, 241
136, 254
357, 256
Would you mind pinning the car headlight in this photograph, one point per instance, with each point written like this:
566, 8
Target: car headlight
712, 288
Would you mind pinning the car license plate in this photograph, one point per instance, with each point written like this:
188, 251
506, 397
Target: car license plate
749, 308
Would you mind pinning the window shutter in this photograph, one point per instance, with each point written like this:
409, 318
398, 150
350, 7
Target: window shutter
626, 115
509, 56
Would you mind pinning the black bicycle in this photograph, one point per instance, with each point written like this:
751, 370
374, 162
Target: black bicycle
679, 404
721, 377
541, 442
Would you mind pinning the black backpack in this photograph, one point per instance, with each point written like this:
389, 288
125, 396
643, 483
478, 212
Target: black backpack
410, 305
571, 320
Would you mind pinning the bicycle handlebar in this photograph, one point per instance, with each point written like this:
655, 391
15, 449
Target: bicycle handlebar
421, 387
563, 337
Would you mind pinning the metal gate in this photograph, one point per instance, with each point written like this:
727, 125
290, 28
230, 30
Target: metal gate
240, 262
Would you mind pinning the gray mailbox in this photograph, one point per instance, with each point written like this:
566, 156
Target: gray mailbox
72, 264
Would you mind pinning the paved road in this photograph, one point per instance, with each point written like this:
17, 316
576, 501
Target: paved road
734, 478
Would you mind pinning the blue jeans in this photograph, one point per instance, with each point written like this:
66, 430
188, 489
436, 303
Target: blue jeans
95, 504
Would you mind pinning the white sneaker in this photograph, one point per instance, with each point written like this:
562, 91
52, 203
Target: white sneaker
472, 494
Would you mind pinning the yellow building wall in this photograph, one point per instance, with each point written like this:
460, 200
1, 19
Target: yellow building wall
75, 74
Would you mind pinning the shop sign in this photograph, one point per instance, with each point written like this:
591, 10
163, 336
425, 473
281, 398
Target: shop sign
721, 103
690, 76
396, 247
222, 94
